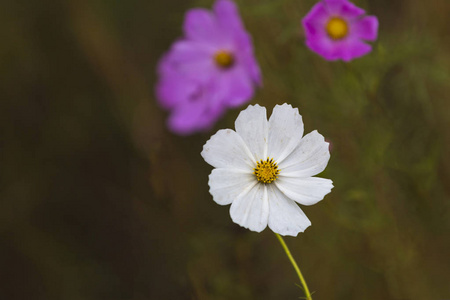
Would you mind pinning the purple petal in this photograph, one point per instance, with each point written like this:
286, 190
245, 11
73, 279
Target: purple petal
353, 49
317, 16
235, 87
191, 51
314, 30
252, 67
183, 52
350, 49
200, 25
191, 59
344, 9
323, 46
366, 28
228, 15
229, 20
194, 117
314, 22
173, 89
245, 57
346, 49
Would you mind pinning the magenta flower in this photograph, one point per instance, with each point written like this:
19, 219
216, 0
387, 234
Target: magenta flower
337, 29
210, 69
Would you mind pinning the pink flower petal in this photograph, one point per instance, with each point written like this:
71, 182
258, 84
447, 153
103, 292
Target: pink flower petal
200, 25
344, 9
191, 59
196, 115
317, 16
236, 87
173, 89
351, 49
227, 15
366, 28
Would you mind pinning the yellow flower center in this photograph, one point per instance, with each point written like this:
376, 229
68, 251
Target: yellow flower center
224, 59
337, 28
266, 171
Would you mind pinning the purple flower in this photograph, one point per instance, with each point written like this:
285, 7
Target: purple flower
337, 29
210, 69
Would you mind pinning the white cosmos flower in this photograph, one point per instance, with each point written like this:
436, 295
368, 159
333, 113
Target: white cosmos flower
264, 167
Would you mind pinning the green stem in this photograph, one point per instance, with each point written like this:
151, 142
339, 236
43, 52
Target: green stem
297, 269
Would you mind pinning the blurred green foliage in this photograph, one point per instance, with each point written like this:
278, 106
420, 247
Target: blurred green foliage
100, 201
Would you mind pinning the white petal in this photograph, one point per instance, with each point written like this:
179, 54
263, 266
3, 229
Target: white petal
285, 217
285, 131
251, 208
226, 149
308, 159
251, 125
306, 191
225, 185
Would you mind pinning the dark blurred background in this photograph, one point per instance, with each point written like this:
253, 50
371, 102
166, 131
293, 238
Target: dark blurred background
99, 201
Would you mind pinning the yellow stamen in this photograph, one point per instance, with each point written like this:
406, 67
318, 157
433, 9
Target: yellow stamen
266, 171
224, 59
337, 28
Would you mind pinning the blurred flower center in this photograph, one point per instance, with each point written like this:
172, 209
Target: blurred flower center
337, 28
224, 59
266, 171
